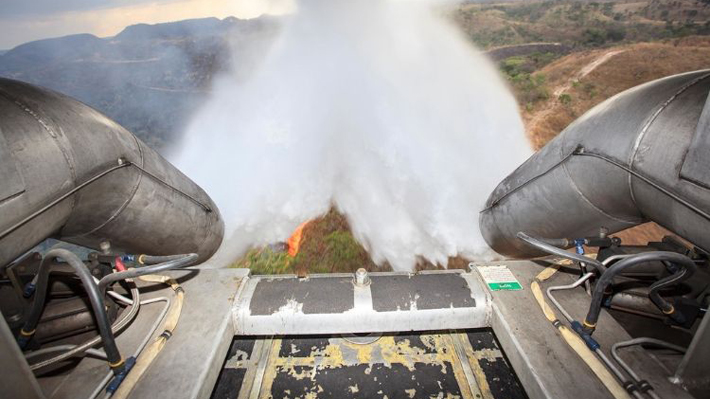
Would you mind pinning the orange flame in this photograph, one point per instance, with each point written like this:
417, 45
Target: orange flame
294, 242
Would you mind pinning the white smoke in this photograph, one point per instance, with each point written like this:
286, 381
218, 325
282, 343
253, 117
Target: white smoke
378, 107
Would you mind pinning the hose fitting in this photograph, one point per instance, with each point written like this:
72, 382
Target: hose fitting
644, 386
579, 245
121, 375
677, 317
592, 344
24, 338
589, 327
118, 263
630, 387
29, 289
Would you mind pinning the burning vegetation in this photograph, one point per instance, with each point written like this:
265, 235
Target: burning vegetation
321, 245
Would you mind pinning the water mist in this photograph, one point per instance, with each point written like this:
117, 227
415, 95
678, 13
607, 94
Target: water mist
379, 108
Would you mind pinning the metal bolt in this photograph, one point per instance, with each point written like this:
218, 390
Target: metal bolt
362, 279
603, 232
105, 247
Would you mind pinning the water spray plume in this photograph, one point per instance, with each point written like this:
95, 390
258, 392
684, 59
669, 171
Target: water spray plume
379, 108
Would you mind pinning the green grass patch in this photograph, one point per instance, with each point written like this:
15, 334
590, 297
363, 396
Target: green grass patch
265, 261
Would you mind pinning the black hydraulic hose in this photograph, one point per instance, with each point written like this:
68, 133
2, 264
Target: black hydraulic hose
548, 245
177, 262
678, 277
597, 295
95, 297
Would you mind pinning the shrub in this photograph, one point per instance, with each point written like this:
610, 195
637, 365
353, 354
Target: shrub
343, 252
615, 34
594, 37
565, 99
265, 261
529, 88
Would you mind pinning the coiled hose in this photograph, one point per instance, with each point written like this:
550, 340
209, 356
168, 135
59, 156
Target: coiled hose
172, 261
676, 278
113, 356
127, 316
686, 263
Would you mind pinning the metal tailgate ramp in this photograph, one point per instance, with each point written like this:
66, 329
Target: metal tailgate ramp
386, 335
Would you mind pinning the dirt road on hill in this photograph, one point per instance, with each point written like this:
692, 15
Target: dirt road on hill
552, 103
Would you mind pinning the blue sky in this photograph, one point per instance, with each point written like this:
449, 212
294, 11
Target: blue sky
26, 20
14, 8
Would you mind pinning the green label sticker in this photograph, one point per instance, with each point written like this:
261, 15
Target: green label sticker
499, 278
505, 286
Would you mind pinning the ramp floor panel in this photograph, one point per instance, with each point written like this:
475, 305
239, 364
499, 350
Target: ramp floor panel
439, 364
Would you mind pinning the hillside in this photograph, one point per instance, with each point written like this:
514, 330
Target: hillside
149, 78
581, 24
621, 67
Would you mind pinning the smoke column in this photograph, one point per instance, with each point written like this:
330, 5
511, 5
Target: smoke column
380, 108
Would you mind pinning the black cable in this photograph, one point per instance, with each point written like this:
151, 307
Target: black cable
95, 297
554, 250
177, 262
606, 279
